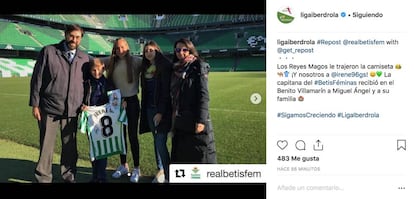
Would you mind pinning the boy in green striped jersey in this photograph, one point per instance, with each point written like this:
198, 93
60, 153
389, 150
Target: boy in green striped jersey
96, 88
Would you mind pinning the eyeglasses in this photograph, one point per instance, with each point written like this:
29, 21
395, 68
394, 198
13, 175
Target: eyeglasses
177, 50
149, 50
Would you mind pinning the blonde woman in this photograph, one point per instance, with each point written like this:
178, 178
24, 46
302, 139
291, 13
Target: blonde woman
123, 70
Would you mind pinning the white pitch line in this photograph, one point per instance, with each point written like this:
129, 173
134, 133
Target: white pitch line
14, 94
213, 109
239, 111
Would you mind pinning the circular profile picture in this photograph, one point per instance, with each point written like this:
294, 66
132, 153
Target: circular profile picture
285, 14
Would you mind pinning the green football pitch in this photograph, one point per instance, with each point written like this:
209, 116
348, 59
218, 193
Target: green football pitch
239, 125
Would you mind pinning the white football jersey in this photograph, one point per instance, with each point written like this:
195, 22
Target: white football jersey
104, 128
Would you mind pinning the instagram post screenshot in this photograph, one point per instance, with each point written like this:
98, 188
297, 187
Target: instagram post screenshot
164, 103
339, 113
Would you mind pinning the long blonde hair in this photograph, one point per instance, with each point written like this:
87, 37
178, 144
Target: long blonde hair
114, 59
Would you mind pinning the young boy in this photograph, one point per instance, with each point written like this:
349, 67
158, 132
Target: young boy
95, 94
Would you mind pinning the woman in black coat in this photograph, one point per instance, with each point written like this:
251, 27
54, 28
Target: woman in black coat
193, 140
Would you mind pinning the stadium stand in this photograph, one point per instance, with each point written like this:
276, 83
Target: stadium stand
230, 42
16, 67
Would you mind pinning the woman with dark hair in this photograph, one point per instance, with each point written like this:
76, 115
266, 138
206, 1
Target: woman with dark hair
156, 105
193, 140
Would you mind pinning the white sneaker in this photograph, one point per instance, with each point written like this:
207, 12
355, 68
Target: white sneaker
135, 176
120, 171
159, 177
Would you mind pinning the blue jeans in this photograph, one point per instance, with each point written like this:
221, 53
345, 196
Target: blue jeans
162, 155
